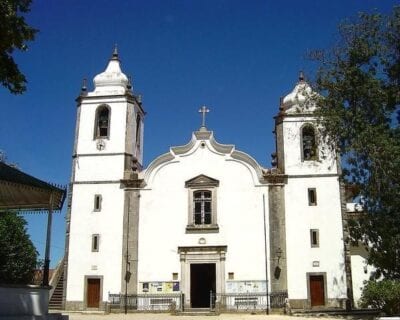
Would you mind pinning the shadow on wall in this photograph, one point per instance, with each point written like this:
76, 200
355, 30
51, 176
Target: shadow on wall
339, 283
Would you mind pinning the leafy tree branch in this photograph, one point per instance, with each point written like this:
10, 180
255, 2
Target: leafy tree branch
14, 35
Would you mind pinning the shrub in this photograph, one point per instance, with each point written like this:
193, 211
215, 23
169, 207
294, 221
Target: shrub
17, 252
383, 295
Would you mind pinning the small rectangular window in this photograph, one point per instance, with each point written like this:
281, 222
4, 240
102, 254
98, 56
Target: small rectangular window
314, 237
312, 197
95, 242
97, 202
145, 286
231, 276
175, 276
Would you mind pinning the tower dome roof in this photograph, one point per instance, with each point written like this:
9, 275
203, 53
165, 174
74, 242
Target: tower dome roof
300, 96
112, 79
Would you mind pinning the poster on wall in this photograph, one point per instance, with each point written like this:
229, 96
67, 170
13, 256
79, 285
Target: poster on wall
175, 286
160, 287
255, 286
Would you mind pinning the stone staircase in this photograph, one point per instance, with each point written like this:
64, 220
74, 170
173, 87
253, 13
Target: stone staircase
56, 300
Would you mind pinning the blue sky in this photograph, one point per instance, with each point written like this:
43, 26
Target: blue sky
236, 57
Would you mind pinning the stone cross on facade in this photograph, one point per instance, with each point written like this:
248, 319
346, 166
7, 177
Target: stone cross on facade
203, 110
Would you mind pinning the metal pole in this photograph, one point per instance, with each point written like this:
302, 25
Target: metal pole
266, 254
45, 281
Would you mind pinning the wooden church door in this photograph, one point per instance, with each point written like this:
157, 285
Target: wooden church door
317, 290
93, 293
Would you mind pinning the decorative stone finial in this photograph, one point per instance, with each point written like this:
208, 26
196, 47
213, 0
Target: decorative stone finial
274, 160
129, 85
115, 53
301, 76
84, 85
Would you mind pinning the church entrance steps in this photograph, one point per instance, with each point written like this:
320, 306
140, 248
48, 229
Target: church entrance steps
197, 312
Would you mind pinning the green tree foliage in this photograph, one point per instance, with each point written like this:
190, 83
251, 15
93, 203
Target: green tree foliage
17, 253
383, 295
359, 81
14, 35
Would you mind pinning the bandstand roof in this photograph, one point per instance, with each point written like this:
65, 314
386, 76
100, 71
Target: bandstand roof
21, 191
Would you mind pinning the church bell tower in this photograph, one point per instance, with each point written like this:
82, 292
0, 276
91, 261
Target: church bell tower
300, 149
111, 117
108, 149
314, 205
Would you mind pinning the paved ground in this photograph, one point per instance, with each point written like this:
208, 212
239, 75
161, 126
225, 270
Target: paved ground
162, 316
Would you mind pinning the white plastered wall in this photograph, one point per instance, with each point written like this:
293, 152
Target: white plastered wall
292, 146
106, 167
164, 216
326, 217
320, 174
360, 271
116, 142
85, 222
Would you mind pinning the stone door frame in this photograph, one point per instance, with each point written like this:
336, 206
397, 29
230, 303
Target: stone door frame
202, 254
86, 292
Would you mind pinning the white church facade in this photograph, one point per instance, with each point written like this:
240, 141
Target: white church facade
203, 220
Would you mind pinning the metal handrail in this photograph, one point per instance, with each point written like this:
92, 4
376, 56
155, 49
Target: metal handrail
56, 277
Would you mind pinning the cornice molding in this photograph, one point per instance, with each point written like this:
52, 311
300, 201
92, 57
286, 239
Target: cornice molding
132, 183
128, 97
97, 182
156, 163
282, 115
242, 156
98, 153
314, 175
204, 248
178, 150
222, 148
275, 178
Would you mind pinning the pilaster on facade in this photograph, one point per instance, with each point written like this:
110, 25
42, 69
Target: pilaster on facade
277, 238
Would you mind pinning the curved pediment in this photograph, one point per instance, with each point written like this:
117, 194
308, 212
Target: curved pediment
204, 139
203, 136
